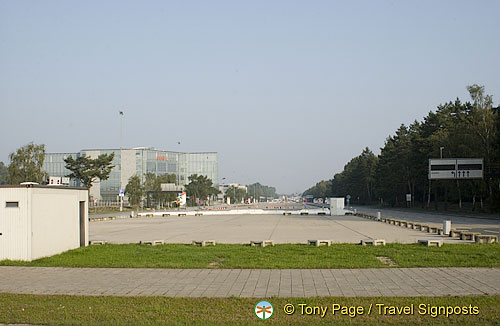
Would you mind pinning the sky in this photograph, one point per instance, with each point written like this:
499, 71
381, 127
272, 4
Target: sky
287, 92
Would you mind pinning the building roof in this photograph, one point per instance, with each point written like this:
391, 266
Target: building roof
32, 185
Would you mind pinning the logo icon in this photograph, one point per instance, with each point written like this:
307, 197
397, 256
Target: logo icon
264, 310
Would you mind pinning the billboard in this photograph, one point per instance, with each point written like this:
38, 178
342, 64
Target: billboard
456, 168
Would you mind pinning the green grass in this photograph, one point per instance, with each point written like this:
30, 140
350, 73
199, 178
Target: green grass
279, 256
88, 310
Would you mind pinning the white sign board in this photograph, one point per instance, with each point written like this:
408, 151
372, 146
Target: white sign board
408, 197
460, 168
54, 181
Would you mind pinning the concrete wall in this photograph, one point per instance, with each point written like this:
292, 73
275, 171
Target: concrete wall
55, 221
14, 226
47, 221
128, 166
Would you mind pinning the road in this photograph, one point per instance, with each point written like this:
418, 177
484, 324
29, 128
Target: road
484, 224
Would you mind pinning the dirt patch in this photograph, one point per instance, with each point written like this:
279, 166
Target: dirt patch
216, 263
387, 261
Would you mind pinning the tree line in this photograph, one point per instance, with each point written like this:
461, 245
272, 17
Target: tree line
454, 130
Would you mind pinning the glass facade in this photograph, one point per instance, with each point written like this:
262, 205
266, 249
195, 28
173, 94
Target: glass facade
147, 160
55, 166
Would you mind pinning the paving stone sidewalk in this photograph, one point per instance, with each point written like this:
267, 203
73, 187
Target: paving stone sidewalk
456, 281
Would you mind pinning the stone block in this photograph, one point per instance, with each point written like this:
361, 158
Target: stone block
468, 236
431, 242
433, 229
318, 243
152, 242
373, 242
262, 243
486, 238
204, 243
98, 242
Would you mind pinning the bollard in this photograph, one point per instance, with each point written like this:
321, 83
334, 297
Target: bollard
379, 216
446, 227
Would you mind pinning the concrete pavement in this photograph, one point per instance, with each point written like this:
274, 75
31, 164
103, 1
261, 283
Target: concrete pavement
454, 281
245, 228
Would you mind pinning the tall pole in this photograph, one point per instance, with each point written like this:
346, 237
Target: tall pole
121, 146
441, 151
121, 129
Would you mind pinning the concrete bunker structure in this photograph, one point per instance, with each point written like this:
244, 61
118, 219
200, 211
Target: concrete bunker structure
38, 221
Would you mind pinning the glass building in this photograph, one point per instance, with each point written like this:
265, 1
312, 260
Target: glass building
138, 161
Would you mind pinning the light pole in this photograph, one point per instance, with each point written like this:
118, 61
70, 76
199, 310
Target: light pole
121, 128
441, 151
121, 146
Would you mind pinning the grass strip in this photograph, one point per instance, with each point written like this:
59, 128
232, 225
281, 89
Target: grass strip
279, 256
89, 310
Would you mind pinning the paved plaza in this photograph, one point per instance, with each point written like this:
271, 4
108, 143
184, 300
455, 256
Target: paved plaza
251, 282
245, 228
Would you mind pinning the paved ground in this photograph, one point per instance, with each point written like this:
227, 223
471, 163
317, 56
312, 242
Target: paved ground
244, 228
485, 224
251, 282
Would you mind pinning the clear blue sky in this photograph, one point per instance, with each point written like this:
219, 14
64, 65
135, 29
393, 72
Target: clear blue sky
286, 91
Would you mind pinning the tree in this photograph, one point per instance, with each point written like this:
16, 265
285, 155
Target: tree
199, 188
26, 164
166, 198
134, 190
236, 194
87, 170
455, 130
152, 184
4, 174
257, 190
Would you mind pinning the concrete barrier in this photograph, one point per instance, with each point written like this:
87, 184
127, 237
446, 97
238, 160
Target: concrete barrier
198, 214
373, 242
486, 238
431, 242
417, 226
165, 214
204, 243
433, 229
182, 214
424, 228
318, 243
470, 236
410, 225
403, 224
262, 243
